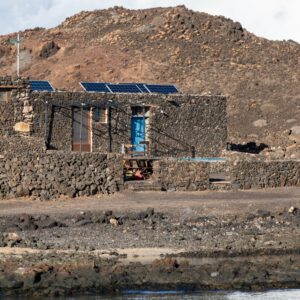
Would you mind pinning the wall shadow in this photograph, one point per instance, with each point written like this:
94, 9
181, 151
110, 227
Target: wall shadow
250, 147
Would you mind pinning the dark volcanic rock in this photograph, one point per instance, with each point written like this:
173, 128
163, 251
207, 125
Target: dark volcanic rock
49, 49
27, 222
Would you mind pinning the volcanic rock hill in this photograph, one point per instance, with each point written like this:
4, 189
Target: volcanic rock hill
198, 52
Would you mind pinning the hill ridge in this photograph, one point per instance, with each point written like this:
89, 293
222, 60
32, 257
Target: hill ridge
198, 52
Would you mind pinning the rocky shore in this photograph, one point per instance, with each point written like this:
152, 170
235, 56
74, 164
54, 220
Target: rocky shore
110, 251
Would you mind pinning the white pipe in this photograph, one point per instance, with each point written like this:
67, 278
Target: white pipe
18, 55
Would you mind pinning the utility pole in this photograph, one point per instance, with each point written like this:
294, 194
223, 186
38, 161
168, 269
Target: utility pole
46, 125
81, 120
141, 65
17, 42
18, 55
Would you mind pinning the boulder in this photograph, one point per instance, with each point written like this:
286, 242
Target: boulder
114, 222
22, 127
260, 123
12, 236
295, 134
49, 49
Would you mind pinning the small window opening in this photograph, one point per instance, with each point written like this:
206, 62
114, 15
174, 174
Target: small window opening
5, 95
140, 110
100, 115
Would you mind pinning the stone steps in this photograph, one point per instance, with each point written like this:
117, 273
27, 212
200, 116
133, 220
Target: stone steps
142, 185
224, 185
220, 181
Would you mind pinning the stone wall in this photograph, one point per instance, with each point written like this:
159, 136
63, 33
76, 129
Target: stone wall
265, 174
195, 122
179, 175
18, 145
14, 82
52, 174
15, 107
178, 123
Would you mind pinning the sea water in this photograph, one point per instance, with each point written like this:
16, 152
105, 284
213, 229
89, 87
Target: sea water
148, 295
172, 295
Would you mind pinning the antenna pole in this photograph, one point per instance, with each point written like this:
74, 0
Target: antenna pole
141, 65
80, 133
18, 55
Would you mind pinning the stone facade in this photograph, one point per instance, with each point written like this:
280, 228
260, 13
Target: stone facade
265, 174
37, 129
179, 125
178, 175
15, 114
53, 174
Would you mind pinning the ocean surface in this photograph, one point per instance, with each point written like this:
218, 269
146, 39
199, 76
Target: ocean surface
169, 295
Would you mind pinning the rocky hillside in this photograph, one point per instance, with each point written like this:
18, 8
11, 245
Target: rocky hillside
198, 52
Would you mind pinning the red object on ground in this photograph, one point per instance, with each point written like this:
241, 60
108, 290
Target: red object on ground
138, 175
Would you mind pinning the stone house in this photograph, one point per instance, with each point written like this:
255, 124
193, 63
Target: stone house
175, 125
78, 143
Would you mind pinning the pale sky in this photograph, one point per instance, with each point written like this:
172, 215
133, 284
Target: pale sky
273, 19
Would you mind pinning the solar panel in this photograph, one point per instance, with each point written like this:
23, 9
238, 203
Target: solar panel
140, 85
132, 88
40, 85
162, 89
124, 88
100, 87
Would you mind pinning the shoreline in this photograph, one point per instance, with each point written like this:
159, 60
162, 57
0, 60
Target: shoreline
60, 273
174, 247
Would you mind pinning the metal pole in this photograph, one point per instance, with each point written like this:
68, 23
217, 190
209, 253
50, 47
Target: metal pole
141, 65
81, 120
18, 55
109, 129
144, 129
46, 124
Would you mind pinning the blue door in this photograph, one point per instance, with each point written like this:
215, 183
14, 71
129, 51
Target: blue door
137, 134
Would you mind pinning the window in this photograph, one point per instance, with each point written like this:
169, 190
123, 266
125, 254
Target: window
100, 115
140, 110
5, 95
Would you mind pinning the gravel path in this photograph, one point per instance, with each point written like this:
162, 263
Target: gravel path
210, 220
215, 203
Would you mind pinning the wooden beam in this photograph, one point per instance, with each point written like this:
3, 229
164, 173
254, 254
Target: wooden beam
8, 87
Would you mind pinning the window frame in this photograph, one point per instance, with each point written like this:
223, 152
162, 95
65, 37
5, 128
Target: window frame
5, 95
102, 111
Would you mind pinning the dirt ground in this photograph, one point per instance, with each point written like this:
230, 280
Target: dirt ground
225, 240
209, 221
210, 203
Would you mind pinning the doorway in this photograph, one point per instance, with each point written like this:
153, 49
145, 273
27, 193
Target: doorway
138, 134
81, 129
140, 116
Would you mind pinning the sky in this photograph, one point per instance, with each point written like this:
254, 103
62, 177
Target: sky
273, 19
